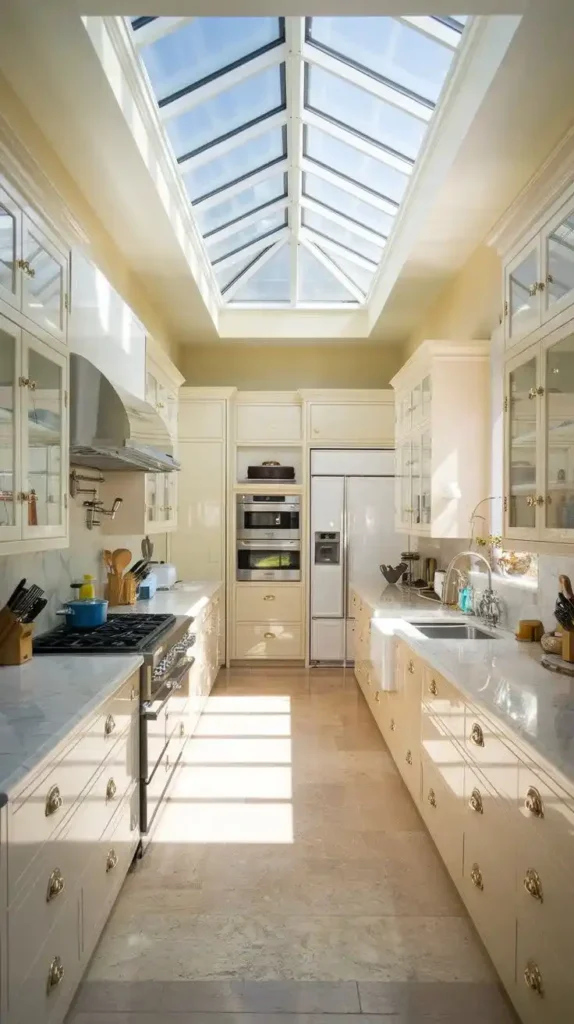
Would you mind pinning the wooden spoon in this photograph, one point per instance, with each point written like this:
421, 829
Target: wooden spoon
121, 558
107, 559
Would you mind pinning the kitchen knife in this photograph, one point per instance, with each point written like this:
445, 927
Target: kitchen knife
30, 598
35, 610
16, 594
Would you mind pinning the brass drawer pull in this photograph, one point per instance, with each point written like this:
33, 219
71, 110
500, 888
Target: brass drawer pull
393, 725
431, 797
53, 801
269, 597
55, 974
111, 860
475, 802
270, 636
533, 885
181, 730
133, 693
477, 735
433, 688
533, 802
411, 667
109, 725
409, 757
476, 877
56, 885
111, 789
533, 978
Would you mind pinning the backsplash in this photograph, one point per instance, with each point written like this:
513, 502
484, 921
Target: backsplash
54, 571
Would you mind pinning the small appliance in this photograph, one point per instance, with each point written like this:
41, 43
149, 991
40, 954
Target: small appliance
268, 517
165, 574
278, 560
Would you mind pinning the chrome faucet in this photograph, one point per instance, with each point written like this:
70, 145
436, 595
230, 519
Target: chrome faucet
488, 608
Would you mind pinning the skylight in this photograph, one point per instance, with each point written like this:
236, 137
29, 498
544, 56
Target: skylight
296, 139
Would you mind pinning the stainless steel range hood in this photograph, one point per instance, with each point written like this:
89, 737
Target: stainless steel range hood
111, 429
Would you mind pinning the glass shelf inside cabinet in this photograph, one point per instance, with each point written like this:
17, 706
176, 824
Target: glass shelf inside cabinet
560, 261
559, 507
522, 462
426, 477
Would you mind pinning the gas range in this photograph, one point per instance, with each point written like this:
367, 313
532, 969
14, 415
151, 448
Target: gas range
120, 634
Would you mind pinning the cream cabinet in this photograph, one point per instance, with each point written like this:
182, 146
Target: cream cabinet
268, 418
442, 438
351, 418
34, 268
33, 442
268, 621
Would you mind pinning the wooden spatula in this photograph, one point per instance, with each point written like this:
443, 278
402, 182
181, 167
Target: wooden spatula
121, 558
107, 559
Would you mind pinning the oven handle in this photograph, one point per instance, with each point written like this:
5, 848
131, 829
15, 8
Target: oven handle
259, 545
170, 685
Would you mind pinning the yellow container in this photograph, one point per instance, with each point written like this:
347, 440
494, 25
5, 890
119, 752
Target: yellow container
88, 590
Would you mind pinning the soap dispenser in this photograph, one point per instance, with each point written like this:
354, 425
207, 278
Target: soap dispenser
88, 590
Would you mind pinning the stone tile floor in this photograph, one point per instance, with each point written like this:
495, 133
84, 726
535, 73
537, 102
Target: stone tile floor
290, 880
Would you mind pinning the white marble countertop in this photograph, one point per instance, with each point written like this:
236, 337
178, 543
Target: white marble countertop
43, 702
533, 706
183, 599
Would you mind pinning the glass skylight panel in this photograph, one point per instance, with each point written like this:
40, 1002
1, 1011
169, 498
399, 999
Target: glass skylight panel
387, 48
358, 275
204, 47
353, 165
271, 283
242, 203
266, 224
248, 101
243, 159
346, 204
362, 112
345, 237
316, 283
229, 272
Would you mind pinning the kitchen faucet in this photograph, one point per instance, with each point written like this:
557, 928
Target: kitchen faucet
488, 609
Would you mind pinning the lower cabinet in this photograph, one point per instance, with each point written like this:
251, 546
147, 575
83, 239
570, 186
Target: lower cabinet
268, 621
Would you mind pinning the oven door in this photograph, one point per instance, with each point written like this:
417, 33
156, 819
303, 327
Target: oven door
160, 742
274, 560
268, 521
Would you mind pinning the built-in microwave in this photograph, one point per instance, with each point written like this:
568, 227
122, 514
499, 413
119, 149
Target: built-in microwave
268, 517
278, 560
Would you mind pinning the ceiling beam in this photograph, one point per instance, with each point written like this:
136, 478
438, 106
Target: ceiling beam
157, 29
301, 8
247, 182
295, 33
328, 243
345, 222
342, 278
252, 249
221, 83
434, 29
254, 268
362, 145
348, 186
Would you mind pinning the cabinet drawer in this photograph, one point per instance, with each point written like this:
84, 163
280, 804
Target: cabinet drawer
108, 867
544, 991
438, 743
545, 824
51, 981
281, 640
484, 747
267, 603
443, 699
441, 796
489, 874
407, 754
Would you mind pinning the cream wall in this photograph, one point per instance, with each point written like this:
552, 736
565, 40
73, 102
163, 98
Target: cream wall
469, 307
100, 248
255, 367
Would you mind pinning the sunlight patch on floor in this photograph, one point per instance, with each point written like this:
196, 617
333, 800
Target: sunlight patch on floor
236, 782
190, 821
244, 725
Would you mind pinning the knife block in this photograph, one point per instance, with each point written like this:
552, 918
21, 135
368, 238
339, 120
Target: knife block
15, 639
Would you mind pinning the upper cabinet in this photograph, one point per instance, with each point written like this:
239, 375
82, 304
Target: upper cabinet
350, 417
268, 418
34, 269
441, 472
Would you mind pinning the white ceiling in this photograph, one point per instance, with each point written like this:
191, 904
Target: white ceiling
48, 59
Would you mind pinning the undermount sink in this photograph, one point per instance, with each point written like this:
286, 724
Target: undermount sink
453, 631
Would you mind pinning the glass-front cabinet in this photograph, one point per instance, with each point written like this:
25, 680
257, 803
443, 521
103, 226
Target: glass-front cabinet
403, 486
558, 454
522, 293
10, 505
558, 255
10, 248
523, 417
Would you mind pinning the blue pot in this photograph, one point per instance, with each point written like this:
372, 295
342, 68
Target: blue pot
85, 614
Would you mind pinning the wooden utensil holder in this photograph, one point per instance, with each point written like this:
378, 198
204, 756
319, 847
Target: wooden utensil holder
15, 639
568, 645
121, 589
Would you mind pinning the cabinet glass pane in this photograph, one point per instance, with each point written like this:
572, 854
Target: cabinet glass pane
416, 482
45, 507
522, 455
152, 497
560, 436
7, 429
427, 396
522, 291
560, 261
44, 284
7, 250
405, 492
426, 474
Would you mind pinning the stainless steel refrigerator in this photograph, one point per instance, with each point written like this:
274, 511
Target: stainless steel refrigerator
352, 533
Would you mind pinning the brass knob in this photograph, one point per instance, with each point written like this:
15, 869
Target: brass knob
533, 978
53, 801
540, 286
431, 797
409, 757
377, 697
540, 390
475, 801
110, 725
55, 973
111, 789
24, 496
540, 500
111, 860
269, 636
181, 730
533, 802
477, 735
133, 693
160, 405
532, 393
533, 288
549, 279
393, 726
269, 597
533, 885
55, 885
411, 667
433, 687
530, 501
476, 877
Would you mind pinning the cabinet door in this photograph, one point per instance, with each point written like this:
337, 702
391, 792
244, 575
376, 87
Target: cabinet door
416, 482
10, 506
558, 257
558, 436
416, 404
403, 487
45, 281
348, 421
426, 396
170, 500
522, 432
44, 439
10, 248
523, 304
426, 477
